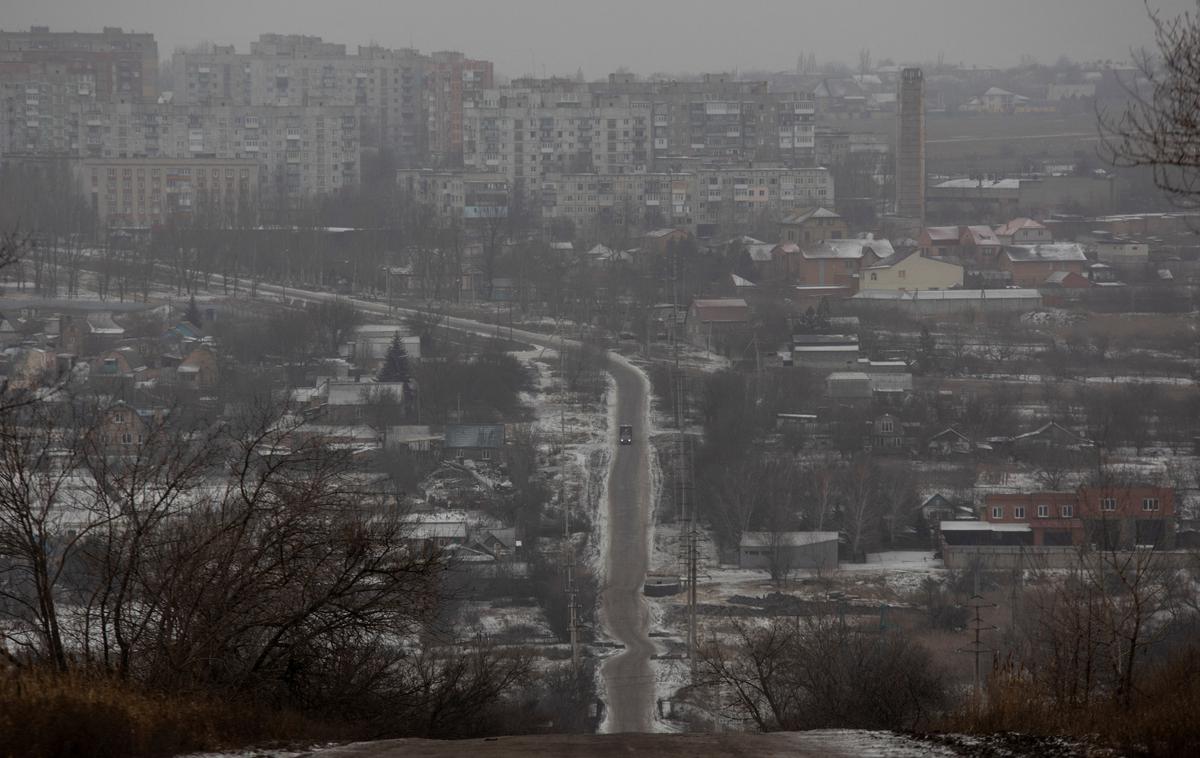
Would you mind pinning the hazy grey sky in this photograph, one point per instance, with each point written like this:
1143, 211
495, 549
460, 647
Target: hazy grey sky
561, 36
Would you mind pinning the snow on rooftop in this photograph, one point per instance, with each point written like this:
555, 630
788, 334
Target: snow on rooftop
983, 526
996, 184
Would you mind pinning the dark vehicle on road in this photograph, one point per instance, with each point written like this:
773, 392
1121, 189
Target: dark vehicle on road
625, 434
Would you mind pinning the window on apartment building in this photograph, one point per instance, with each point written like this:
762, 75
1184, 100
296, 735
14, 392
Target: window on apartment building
1108, 504
874, 276
1066, 511
1043, 511
1019, 511
903, 274
997, 511
1150, 504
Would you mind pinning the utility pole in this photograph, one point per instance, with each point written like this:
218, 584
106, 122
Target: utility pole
976, 647
693, 570
568, 546
572, 605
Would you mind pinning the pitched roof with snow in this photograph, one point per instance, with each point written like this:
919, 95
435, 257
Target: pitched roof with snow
999, 184
800, 215
1052, 428
102, 323
942, 233
1058, 251
761, 252
892, 260
849, 249
1016, 225
659, 233
786, 539
981, 235
741, 281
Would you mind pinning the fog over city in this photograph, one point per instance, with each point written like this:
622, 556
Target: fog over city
553, 37
405, 379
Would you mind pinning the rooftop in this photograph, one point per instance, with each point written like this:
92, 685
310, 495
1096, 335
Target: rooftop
1005, 294
786, 539
1059, 251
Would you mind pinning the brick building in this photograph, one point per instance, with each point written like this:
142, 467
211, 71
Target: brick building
1115, 516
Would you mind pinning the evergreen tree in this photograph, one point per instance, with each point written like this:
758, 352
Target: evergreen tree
192, 315
395, 363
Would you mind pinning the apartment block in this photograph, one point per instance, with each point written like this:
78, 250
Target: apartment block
386, 85
649, 200
145, 192
41, 107
536, 128
457, 194
451, 79
528, 133
718, 117
729, 197
299, 150
711, 200
122, 66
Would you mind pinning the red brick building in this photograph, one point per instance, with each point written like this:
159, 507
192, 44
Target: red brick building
1110, 516
1031, 265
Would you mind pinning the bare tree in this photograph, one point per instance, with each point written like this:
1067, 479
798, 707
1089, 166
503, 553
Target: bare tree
1160, 128
860, 507
43, 516
793, 674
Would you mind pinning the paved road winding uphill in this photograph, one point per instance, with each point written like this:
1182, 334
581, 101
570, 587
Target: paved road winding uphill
628, 680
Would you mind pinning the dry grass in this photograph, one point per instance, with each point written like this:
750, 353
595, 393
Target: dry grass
47, 715
1164, 719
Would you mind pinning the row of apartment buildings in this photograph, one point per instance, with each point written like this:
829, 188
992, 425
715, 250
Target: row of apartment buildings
537, 127
303, 109
406, 101
703, 198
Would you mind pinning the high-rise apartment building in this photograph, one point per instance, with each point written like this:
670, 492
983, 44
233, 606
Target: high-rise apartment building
122, 66
451, 79
526, 133
721, 118
910, 146
385, 85
299, 150
41, 108
536, 128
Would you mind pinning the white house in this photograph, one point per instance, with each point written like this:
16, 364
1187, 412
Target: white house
911, 272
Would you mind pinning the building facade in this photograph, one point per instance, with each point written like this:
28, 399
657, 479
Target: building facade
451, 79
385, 85
145, 192
1108, 517
123, 66
300, 151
